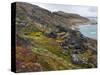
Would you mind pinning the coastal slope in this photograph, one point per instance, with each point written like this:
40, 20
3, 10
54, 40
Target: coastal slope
46, 42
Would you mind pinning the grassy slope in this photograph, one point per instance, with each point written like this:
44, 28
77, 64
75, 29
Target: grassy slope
49, 52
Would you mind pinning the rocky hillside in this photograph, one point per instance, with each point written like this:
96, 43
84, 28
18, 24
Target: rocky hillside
45, 40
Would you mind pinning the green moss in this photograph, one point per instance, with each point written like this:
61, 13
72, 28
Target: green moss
50, 54
49, 45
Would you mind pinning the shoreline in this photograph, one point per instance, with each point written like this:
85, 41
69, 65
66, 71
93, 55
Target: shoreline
77, 27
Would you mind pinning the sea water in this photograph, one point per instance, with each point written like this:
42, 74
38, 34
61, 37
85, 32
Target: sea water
89, 31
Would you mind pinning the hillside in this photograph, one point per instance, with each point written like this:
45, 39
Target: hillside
45, 40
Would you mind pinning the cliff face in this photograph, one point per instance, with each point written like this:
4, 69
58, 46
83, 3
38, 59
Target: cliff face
45, 40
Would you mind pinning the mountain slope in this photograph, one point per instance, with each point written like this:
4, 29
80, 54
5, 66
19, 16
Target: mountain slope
45, 40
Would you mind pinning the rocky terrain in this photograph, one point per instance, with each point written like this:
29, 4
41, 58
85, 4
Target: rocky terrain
45, 40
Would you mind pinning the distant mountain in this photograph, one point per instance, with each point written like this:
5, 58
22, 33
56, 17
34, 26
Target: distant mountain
49, 43
75, 18
93, 20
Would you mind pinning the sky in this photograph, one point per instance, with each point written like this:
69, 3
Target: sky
86, 11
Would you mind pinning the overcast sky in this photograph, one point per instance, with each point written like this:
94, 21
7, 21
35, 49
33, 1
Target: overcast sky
87, 11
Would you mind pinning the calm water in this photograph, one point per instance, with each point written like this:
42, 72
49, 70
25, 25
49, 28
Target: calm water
89, 31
